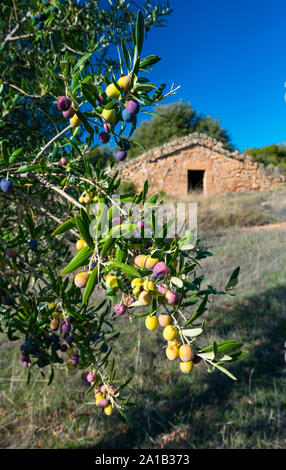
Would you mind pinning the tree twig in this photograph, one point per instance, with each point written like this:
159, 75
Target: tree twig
76, 52
43, 209
22, 91
51, 186
55, 188
24, 36
51, 142
15, 11
11, 34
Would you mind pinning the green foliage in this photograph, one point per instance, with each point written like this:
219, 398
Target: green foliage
30, 48
176, 120
269, 155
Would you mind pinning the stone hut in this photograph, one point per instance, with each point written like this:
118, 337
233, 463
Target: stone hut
197, 162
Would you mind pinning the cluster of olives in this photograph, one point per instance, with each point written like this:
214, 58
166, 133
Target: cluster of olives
175, 348
39, 20
143, 290
87, 197
38, 348
128, 114
102, 392
28, 349
63, 323
64, 104
109, 116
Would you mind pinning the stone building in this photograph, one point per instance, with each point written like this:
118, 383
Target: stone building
197, 162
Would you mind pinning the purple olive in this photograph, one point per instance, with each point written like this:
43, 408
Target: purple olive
65, 327
33, 244
64, 103
74, 359
6, 185
104, 137
161, 269
69, 113
133, 107
90, 377
121, 155
120, 309
126, 116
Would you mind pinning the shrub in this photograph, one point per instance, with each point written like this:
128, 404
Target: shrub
127, 187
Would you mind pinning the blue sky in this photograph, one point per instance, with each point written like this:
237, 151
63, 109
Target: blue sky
229, 59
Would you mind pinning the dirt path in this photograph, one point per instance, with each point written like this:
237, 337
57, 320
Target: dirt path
279, 226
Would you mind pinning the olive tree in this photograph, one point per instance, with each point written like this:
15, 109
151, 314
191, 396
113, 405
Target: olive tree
64, 308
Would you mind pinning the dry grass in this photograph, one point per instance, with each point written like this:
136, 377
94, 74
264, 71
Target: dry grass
231, 210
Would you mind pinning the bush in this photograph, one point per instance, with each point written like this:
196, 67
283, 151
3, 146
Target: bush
269, 155
127, 187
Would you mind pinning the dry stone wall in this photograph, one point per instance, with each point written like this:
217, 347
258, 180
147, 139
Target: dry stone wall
172, 167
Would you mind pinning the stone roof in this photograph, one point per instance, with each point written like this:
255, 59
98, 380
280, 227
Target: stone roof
190, 140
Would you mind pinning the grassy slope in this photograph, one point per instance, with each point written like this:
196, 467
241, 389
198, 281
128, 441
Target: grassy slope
201, 410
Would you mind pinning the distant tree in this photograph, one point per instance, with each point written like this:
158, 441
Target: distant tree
100, 154
271, 154
176, 120
213, 128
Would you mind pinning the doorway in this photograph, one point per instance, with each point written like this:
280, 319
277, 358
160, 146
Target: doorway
195, 180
